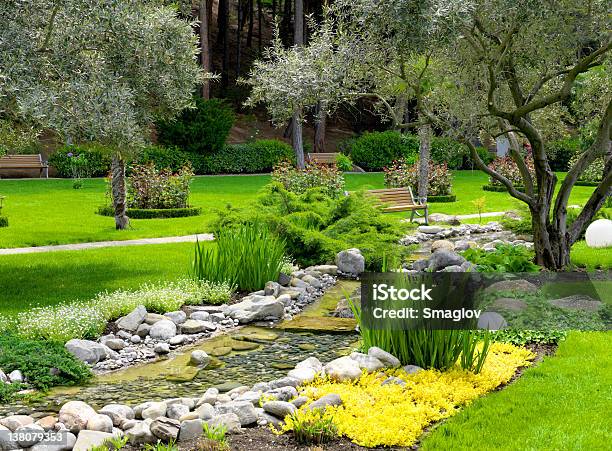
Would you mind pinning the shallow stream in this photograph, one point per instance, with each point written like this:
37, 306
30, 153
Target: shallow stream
242, 357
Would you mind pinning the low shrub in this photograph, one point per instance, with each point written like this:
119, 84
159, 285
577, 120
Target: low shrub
344, 163
373, 151
201, 130
4, 222
160, 213
501, 188
561, 152
508, 168
44, 364
327, 177
593, 174
88, 319
505, 258
403, 173
248, 158
315, 227
448, 151
150, 188
246, 256
95, 159
519, 337
442, 199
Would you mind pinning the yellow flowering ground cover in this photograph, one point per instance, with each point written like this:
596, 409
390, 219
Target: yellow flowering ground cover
373, 414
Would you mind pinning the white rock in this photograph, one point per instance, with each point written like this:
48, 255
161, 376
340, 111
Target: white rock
230, 421
16, 377
86, 440
205, 411
140, 434
350, 261
178, 317
134, 319
200, 316
342, 369
199, 358
254, 308
29, 435
190, 430
118, 413
389, 360
163, 330
243, 409
279, 409
154, 410
599, 234
75, 415
367, 362
100, 423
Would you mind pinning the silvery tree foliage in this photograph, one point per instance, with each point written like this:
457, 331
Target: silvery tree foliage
516, 66
96, 70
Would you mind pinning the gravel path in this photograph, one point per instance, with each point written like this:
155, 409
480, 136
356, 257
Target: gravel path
100, 244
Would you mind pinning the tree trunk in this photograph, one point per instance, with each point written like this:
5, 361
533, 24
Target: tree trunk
223, 39
238, 36
204, 46
259, 25
118, 190
552, 249
424, 151
285, 28
320, 128
249, 41
297, 141
299, 23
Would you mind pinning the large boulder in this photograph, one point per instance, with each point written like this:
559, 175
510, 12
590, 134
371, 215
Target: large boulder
387, 359
279, 409
243, 409
342, 369
86, 440
13, 422
491, 321
350, 261
59, 441
154, 410
29, 435
140, 434
131, 321
367, 362
194, 326
442, 244
512, 286
443, 258
178, 317
577, 302
75, 415
163, 330
118, 413
88, 351
255, 308
190, 430
165, 429
230, 421
100, 423
599, 233
199, 358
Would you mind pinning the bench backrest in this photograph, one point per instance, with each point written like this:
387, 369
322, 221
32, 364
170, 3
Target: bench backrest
327, 158
394, 196
20, 161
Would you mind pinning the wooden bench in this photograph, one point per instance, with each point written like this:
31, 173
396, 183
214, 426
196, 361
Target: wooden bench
9, 162
400, 199
327, 158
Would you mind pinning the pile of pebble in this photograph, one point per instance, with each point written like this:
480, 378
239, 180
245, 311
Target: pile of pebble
79, 427
430, 233
143, 336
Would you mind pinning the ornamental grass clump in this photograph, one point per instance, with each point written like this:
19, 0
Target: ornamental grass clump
246, 256
373, 414
312, 427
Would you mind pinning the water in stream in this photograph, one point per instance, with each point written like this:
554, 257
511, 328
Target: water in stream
251, 354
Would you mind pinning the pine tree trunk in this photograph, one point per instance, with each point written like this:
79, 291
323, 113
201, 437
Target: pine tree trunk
259, 25
204, 46
118, 190
249, 41
424, 151
320, 128
223, 40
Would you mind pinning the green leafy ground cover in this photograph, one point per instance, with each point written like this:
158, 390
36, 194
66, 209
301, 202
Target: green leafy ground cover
43, 212
562, 403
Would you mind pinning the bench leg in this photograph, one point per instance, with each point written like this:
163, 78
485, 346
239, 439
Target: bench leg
426, 215
412, 216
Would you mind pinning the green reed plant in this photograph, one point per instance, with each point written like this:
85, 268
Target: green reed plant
246, 256
427, 348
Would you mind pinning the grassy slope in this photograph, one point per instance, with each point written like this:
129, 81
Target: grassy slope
45, 279
51, 212
564, 403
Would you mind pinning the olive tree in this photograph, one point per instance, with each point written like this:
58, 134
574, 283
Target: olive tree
516, 65
96, 70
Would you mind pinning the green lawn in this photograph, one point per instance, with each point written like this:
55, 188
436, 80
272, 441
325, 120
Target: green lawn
563, 403
31, 280
45, 212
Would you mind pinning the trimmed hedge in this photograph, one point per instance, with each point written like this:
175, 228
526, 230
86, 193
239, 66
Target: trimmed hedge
500, 189
98, 160
248, 158
153, 213
375, 150
585, 183
442, 199
4, 221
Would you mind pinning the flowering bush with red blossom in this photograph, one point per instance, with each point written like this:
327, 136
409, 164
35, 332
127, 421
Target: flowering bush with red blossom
508, 168
402, 174
150, 188
325, 176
